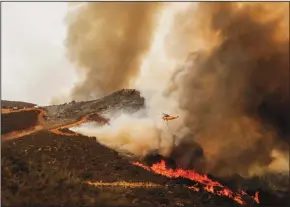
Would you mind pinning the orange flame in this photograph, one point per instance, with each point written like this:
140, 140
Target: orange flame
211, 186
256, 197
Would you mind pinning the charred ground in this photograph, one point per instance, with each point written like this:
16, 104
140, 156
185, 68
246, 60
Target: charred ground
49, 169
18, 121
19, 104
45, 168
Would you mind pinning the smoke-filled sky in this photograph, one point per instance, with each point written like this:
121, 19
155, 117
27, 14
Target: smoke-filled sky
43, 54
231, 95
34, 63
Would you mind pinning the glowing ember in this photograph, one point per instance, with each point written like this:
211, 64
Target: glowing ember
256, 197
208, 184
125, 184
194, 188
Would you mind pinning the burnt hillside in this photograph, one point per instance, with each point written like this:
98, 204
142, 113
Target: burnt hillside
19, 104
50, 169
18, 121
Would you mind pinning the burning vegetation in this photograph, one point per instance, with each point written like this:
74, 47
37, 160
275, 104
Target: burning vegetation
231, 95
200, 181
234, 91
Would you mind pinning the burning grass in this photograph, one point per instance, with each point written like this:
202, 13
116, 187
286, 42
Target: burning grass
206, 183
50, 169
125, 184
73, 161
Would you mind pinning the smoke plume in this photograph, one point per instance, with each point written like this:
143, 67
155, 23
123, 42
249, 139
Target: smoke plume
235, 92
231, 94
107, 42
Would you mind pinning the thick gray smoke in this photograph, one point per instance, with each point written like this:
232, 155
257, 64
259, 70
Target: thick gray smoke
107, 41
232, 95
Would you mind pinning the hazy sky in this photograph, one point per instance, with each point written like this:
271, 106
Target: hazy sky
34, 64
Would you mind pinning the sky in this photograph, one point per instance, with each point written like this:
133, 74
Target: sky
34, 64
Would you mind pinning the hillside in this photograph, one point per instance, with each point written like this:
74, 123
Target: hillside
18, 121
19, 104
53, 166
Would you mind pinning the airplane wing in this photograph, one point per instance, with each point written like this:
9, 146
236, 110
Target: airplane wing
166, 115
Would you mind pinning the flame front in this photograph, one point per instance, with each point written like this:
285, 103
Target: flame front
209, 185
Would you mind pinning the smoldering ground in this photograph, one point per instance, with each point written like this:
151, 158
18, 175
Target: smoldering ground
107, 41
231, 95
